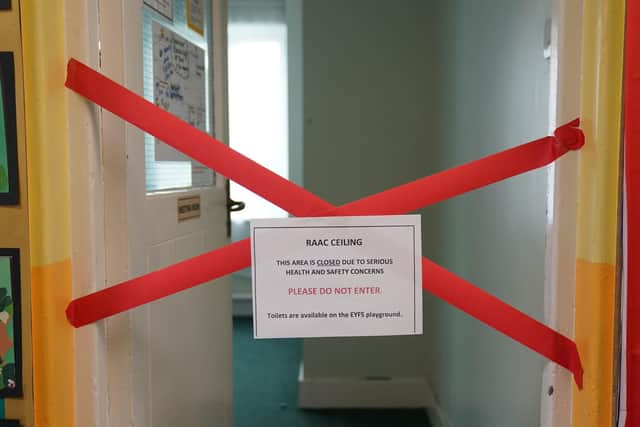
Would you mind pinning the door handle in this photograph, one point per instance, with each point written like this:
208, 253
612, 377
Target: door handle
234, 206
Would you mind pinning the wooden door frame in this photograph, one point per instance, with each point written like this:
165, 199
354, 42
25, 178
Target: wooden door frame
581, 292
566, 47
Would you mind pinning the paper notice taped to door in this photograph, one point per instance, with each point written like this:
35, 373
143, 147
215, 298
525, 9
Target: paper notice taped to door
336, 276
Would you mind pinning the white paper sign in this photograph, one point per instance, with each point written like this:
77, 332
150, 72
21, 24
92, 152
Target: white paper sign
178, 83
337, 276
163, 7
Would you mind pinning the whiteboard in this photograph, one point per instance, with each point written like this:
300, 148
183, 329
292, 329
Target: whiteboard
179, 83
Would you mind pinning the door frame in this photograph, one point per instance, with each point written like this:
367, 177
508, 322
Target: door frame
560, 277
582, 289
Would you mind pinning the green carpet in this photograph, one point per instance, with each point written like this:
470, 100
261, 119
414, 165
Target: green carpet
265, 389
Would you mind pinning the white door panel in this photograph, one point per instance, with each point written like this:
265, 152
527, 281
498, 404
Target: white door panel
185, 330
163, 224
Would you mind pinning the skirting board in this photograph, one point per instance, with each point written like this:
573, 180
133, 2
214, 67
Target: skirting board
394, 392
437, 417
242, 305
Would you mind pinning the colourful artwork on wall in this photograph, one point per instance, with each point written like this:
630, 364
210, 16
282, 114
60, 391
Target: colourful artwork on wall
8, 132
10, 324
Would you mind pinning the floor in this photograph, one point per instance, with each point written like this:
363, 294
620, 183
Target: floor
265, 389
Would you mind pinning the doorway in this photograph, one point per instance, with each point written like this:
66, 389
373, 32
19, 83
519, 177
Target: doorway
393, 91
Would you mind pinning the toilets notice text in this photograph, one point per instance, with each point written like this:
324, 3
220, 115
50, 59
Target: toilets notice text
336, 276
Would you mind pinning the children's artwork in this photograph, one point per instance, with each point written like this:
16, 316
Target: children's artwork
8, 132
10, 324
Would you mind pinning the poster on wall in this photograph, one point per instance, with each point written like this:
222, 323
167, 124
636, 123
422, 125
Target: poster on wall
10, 324
195, 15
163, 7
8, 132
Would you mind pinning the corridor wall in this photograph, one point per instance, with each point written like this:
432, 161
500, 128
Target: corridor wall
397, 90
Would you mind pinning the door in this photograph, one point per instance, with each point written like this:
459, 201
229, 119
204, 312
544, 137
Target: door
168, 363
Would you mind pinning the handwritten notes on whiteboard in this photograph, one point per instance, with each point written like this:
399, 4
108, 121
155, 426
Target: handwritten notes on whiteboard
179, 82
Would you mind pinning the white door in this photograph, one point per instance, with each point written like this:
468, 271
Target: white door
169, 362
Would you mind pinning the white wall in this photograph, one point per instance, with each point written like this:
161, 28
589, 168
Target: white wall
498, 83
397, 90
372, 113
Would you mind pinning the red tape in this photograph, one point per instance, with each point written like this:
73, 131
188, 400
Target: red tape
632, 176
300, 202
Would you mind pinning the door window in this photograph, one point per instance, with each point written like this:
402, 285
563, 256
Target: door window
177, 75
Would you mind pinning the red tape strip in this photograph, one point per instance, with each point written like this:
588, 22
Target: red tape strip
632, 176
300, 202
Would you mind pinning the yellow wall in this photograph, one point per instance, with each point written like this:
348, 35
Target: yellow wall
597, 241
43, 35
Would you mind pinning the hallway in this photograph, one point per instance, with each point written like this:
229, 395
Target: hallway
265, 390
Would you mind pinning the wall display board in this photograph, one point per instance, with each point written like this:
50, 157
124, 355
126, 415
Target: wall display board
8, 132
10, 324
336, 276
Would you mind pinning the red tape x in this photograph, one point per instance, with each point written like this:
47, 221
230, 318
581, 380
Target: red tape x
300, 202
